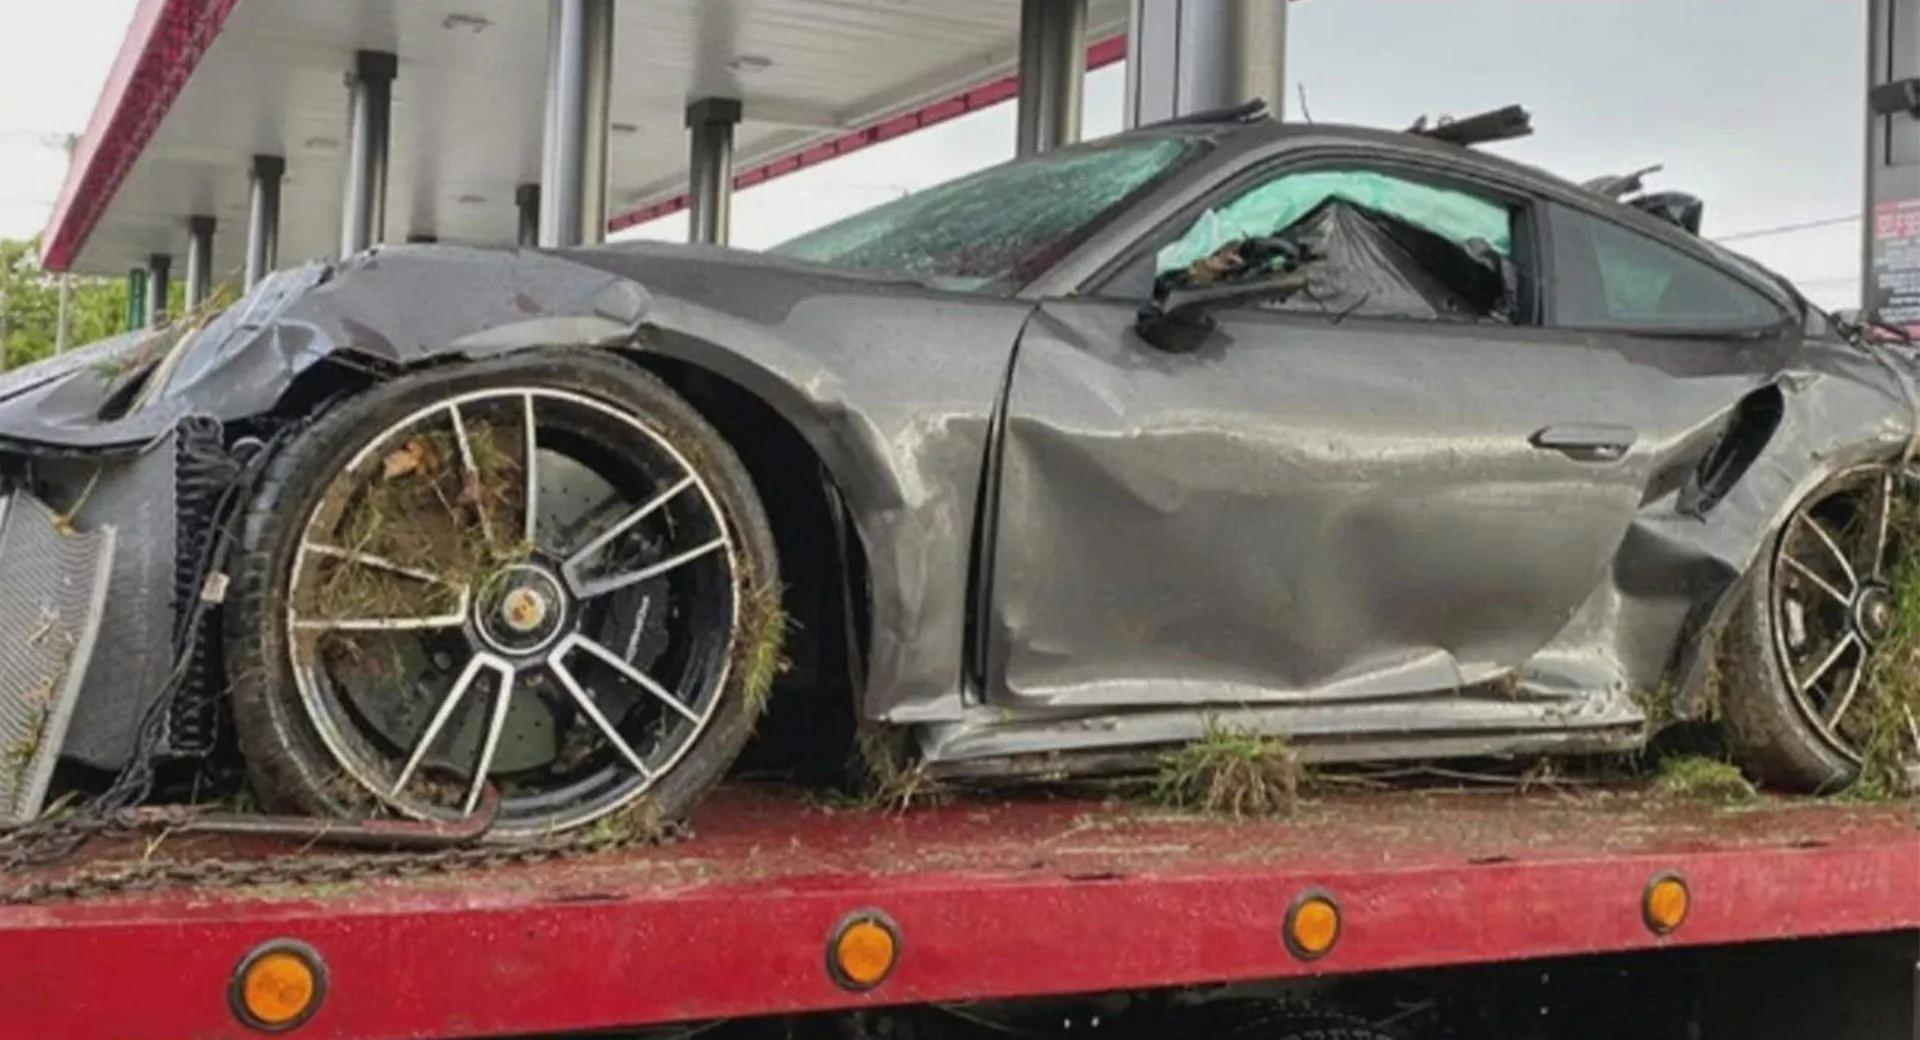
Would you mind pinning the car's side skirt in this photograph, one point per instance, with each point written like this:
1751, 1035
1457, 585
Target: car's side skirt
1450, 726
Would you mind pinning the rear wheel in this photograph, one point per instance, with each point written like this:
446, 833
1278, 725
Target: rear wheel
536, 573
1815, 652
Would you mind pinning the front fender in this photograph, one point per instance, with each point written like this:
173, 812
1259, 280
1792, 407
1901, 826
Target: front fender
893, 385
896, 396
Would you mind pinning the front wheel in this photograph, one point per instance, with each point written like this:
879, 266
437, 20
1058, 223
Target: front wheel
1823, 655
538, 573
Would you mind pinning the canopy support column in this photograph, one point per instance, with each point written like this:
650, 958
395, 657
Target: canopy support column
710, 123
199, 261
1053, 64
573, 203
263, 217
526, 199
364, 221
1187, 56
159, 281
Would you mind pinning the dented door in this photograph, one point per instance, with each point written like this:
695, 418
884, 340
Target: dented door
1310, 508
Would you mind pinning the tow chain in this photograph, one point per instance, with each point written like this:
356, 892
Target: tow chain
305, 870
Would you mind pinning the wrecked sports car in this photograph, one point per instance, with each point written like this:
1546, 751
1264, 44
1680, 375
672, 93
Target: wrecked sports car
1365, 438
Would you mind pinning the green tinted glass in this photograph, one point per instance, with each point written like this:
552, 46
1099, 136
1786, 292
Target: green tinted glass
1277, 205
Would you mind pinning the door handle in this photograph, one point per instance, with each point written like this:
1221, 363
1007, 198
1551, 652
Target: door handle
1600, 442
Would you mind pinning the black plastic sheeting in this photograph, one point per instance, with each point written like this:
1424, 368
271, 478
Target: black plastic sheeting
1343, 259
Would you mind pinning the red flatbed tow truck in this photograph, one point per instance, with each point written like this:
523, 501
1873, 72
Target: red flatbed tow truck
1453, 914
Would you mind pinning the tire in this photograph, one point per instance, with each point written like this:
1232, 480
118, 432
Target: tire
1770, 740
309, 735
1786, 739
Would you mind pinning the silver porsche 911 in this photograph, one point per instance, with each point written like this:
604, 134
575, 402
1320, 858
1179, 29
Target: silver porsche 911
1367, 439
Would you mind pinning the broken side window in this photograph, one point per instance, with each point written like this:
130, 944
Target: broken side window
1278, 204
1356, 242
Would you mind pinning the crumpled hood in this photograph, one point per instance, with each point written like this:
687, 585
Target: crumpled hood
113, 353
89, 376
388, 309
79, 400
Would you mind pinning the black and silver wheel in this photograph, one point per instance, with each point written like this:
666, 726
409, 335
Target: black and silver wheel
535, 573
1809, 694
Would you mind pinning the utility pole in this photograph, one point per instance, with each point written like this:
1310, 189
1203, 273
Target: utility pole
6, 309
64, 327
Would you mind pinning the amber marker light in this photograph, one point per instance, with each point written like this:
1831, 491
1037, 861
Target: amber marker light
1665, 904
863, 950
278, 986
1313, 925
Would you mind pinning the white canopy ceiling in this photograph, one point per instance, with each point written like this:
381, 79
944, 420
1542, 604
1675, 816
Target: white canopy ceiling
468, 103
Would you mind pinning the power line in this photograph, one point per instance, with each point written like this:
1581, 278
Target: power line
1835, 280
44, 138
1782, 229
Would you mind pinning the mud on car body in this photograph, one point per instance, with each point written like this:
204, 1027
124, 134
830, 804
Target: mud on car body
1368, 439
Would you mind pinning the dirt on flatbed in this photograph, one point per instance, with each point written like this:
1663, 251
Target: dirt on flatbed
754, 835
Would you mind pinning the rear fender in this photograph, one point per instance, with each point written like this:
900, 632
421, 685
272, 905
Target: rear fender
1778, 445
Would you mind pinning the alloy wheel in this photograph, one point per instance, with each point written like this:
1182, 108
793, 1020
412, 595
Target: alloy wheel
520, 586
1838, 602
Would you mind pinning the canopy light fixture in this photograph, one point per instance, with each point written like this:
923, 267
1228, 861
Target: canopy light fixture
471, 24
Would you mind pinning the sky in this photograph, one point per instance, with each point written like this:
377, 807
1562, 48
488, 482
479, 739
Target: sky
1755, 105
56, 65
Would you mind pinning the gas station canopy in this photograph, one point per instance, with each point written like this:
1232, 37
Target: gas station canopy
270, 130
201, 87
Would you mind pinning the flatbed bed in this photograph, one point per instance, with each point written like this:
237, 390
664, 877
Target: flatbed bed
992, 899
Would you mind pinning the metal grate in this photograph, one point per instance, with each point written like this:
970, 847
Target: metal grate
55, 592
135, 497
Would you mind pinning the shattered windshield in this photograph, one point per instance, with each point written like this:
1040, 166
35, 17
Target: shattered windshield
992, 231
